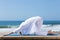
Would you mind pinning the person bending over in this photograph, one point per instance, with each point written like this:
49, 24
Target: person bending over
32, 25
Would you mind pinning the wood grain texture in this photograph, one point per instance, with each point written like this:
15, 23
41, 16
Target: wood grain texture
30, 38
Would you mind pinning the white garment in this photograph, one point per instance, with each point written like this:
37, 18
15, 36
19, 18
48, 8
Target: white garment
31, 26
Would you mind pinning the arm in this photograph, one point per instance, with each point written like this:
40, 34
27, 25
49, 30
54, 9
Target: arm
8, 34
53, 32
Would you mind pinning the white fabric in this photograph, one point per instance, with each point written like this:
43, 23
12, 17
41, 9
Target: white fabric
32, 26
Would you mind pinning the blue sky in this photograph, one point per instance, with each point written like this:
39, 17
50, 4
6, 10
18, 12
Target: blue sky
23, 9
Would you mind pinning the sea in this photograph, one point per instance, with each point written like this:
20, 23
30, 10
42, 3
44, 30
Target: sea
16, 23
11, 24
53, 22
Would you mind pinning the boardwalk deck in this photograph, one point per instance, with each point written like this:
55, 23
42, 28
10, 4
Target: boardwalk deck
30, 38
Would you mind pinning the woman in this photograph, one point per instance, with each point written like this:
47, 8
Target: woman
32, 25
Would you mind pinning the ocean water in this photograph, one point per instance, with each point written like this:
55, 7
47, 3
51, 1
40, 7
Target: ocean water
10, 24
53, 22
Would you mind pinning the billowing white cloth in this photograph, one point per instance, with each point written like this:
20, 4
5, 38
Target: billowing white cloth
32, 26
